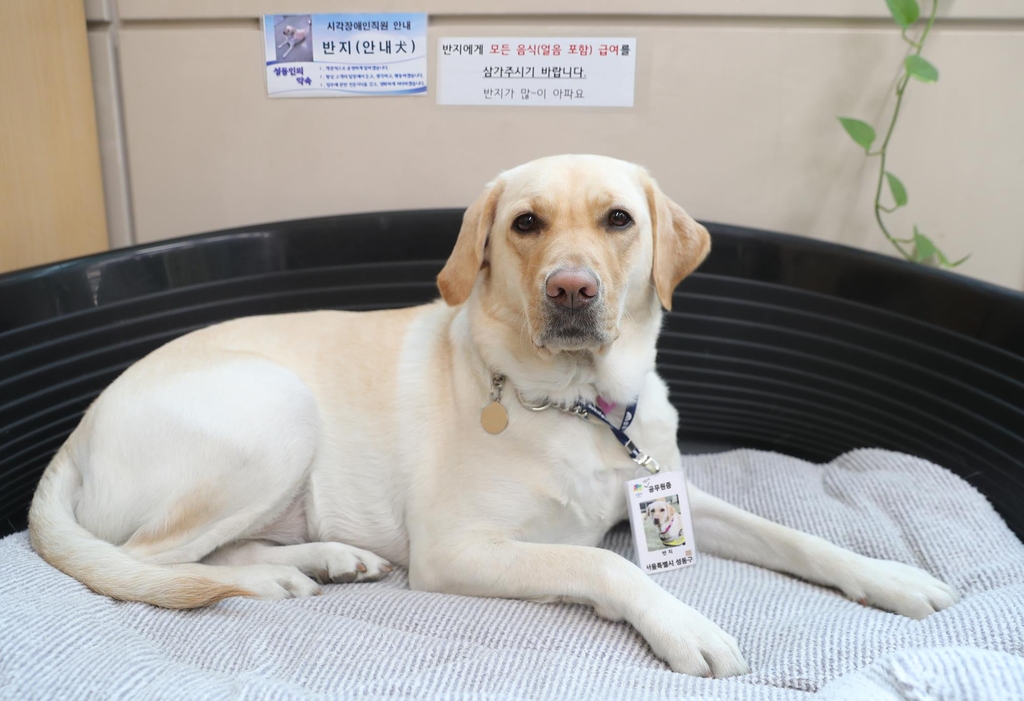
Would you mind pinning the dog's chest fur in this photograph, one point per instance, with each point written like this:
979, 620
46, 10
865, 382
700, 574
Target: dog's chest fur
581, 486
582, 502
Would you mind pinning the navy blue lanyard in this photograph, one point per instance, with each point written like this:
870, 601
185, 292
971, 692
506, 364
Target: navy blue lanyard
638, 456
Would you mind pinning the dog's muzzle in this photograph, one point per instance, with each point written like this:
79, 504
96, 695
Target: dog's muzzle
573, 309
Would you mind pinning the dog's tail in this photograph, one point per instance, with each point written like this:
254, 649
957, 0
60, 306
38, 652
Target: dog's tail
102, 566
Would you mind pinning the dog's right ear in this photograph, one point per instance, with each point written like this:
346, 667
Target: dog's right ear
457, 278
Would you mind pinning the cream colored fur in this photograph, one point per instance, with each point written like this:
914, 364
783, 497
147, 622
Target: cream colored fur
254, 456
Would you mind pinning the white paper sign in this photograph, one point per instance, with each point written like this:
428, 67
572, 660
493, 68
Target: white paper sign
659, 516
543, 71
345, 55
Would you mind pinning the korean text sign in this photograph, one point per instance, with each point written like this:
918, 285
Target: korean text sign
345, 55
540, 71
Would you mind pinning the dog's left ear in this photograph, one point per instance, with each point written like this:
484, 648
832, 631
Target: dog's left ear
680, 243
458, 276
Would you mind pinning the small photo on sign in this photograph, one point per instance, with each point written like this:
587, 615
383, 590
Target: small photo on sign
663, 523
293, 37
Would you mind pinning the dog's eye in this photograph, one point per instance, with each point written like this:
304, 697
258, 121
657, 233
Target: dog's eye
619, 219
526, 223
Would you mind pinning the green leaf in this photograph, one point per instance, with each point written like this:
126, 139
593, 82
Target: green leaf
905, 12
944, 262
921, 69
899, 193
861, 132
924, 250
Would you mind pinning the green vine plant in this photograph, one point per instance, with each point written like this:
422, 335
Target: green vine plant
918, 248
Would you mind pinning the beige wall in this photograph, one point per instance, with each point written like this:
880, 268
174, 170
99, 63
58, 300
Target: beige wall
735, 115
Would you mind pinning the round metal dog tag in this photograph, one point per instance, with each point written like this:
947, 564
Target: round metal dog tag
494, 418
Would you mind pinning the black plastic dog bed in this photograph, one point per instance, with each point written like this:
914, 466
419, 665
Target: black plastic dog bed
778, 342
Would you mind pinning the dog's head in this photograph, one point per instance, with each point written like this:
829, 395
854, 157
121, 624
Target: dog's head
568, 245
660, 512
289, 31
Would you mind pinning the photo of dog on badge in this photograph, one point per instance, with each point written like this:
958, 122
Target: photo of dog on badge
663, 525
293, 35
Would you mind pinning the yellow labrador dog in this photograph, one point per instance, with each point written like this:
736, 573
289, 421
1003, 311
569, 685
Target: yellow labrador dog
256, 456
670, 526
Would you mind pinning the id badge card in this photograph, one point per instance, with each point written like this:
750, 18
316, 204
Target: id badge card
659, 516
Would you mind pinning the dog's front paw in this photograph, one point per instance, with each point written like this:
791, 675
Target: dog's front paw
899, 588
691, 644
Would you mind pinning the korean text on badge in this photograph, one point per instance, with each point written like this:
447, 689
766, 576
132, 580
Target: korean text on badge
659, 516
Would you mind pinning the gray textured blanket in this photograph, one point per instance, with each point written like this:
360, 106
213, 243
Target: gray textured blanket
368, 641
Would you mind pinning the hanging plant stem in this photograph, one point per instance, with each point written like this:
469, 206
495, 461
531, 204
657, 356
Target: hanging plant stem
918, 247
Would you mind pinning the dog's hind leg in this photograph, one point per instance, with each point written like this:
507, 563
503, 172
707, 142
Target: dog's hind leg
209, 455
325, 562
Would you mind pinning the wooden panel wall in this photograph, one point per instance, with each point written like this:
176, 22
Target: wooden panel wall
51, 194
